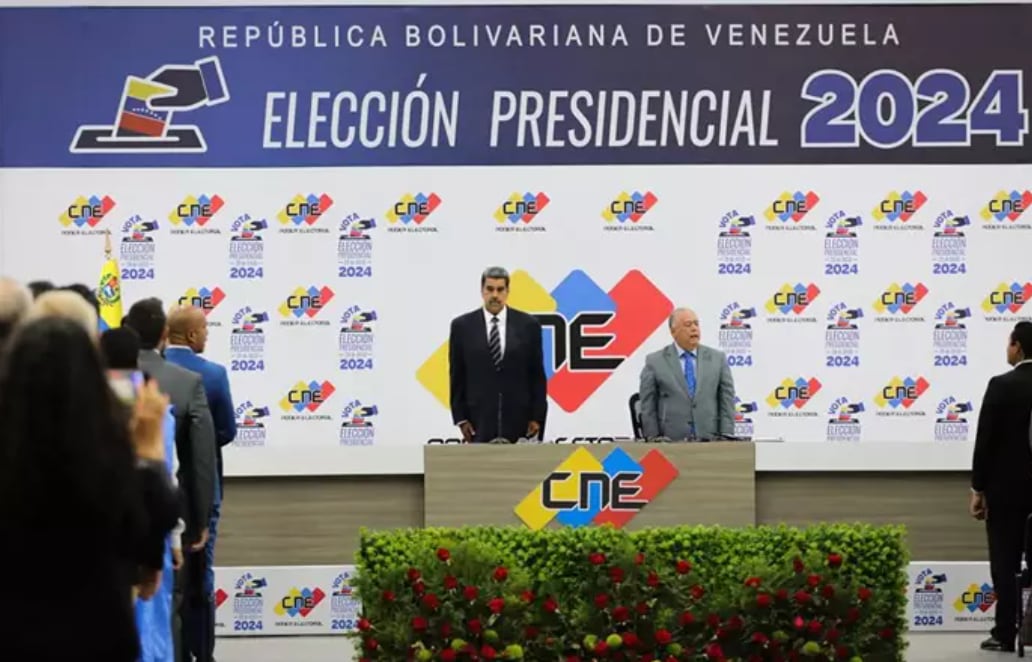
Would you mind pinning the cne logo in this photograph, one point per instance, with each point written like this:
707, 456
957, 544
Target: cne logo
975, 599
307, 397
204, 298
299, 603
899, 207
196, 210
1006, 299
306, 303
901, 393
793, 393
791, 207
628, 208
587, 332
304, 210
900, 299
519, 209
790, 301
410, 212
1006, 206
583, 491
86, 211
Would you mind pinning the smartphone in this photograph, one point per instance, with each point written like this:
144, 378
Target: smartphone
126, 384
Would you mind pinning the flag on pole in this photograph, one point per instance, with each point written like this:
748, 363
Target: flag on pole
109, 290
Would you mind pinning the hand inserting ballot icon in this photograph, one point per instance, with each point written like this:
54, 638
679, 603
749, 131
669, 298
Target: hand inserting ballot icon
144, 123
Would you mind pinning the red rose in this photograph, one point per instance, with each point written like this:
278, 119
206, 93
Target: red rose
698, 592
431, 601
887, 633
475, 626
601, 600
832, 635
760, 638
813, 581
714, 652
842, 652
443, 554
527, 596
797, 565
802, 597
470, 593
828, 591
501, 574
413, 574
834, 560
639, 558
616, 574
530, 632
687, 618
753, 582
663, 637
852, 615
364, 625
596, 558
722, 633
550, 605
419, 587
445, 629
629, 639
762, 600
713, 621
814, 626
450, 583
642, 608
653, 580
864, 594
683, 567
418, 623
388, 596
487, 652
621, 614
371, 644
601, 647
798, 623
781, 595
735, 623
496, 605
448, 655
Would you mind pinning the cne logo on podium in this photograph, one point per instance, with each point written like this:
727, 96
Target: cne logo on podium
583, 491
587, 332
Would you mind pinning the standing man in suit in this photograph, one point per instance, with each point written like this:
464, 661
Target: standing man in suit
1001, 478
686, 390
496, 368
187, 337
195, 448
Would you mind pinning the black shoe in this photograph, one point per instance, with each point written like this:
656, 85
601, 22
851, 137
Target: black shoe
994, 644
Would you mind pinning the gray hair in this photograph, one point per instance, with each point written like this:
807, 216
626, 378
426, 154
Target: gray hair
68, 305
675, 312
15, 301
494, 272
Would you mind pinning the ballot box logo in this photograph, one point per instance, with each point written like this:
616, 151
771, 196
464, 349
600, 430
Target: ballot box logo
949, 244
356, 339
587, 332
900, 395
950, 336
744, 411
82, 215
583, 491
896, 210
357, 423
791, 302
1005, 302
735, 337
789, 209
355, 247
518, 211
302, 212
250, 420
791, 397
247, 248
299, 603
249, 599
975, 599
1004, 209
625, 211
194, 212
145, 118
303, 306
344, 604
842, 336
411, 211
951, 422
841, 244
136, 251
247, 340
734, 244
844, 419
897, 302
928, 600
305, 401
205, 298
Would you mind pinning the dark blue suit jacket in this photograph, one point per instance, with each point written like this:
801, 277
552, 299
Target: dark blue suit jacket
216, 387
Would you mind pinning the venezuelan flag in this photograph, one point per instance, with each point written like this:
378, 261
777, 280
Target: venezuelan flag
109, 293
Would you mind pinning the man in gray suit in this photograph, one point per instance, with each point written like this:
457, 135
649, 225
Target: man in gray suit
195, 449
686, 390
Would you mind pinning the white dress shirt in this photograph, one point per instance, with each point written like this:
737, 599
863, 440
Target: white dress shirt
501, 326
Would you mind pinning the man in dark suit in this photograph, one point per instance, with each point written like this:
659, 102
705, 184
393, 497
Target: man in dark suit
187, 337
1001, 478
496, 368
195, 448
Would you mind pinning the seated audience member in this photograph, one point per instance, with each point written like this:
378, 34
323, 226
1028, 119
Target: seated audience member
67, 305
75, 472
38, 287
15, 301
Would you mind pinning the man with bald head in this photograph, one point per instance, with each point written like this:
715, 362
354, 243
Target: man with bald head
187, 338
15, 300
686, 390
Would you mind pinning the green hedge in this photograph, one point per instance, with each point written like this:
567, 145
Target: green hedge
875, 557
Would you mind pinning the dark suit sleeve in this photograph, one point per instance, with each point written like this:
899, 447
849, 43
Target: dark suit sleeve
202, 455
457, 374
986, 441
222, 411
159, 500
536, 370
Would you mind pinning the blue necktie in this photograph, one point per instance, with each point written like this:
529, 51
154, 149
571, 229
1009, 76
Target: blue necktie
689, 372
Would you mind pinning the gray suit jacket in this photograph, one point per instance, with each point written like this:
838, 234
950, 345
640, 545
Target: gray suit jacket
666, 408
195, 439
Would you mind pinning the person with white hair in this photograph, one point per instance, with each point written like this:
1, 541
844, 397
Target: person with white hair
68, 305
15, 301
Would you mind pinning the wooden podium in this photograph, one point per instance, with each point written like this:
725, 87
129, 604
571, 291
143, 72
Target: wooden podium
482, 484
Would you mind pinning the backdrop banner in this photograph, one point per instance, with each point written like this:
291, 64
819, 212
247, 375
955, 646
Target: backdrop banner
328, 183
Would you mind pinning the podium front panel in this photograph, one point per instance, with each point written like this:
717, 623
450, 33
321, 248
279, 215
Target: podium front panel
483, 484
